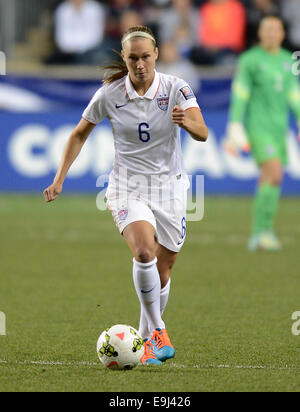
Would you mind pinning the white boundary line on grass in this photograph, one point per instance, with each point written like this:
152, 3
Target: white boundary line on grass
174, 365
47, 363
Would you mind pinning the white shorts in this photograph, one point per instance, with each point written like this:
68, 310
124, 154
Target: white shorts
164, 208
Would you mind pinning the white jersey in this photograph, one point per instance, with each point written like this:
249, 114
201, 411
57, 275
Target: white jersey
147, 141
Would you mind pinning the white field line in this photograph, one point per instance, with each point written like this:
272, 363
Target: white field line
173, 365
47, 363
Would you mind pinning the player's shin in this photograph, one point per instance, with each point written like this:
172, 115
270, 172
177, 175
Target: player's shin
144, 327
265, 208
147, 284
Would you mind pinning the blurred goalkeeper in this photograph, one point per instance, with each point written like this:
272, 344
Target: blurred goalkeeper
263, 92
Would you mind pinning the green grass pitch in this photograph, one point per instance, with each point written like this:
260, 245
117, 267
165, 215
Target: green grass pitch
66, 275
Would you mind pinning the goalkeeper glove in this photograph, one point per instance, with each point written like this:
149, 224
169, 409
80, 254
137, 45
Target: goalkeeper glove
236, 139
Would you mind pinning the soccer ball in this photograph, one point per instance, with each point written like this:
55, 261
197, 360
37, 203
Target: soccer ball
120, 347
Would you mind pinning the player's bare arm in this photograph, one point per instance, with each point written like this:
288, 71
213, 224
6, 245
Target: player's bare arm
192, 121
74, 145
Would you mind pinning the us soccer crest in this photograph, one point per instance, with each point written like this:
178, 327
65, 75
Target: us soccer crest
123, 213
163, 103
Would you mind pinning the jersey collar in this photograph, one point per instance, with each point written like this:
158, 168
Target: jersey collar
151, 92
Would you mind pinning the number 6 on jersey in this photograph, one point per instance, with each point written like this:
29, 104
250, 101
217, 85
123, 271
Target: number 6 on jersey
143, 134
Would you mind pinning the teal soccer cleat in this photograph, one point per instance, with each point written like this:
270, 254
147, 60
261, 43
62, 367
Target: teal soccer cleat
163, 348
149, 357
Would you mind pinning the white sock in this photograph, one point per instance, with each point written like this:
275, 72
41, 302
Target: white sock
144, 328
164, 296
147, 284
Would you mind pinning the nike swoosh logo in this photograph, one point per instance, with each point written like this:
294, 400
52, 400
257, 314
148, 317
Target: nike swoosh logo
118, 106
148, 291
179, 243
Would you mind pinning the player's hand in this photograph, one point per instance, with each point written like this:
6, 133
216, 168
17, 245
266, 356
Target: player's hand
178, 116
236, 139
52, 192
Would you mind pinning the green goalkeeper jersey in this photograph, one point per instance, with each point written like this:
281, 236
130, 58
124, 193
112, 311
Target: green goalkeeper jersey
263, 91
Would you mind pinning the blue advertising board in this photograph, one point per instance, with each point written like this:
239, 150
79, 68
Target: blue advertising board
32, 143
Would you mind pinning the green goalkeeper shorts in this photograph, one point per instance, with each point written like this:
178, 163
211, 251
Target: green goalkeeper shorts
266, 148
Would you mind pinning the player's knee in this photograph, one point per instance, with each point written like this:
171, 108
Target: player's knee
277, 178
145, 254
273, 177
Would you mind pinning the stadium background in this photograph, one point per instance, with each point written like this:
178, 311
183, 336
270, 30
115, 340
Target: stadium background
42, 99
66, 275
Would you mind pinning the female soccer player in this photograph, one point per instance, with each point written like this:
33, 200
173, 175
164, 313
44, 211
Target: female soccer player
147, 188
266, 86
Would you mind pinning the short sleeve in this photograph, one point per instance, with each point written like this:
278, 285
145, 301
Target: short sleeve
95, 111
185, 97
